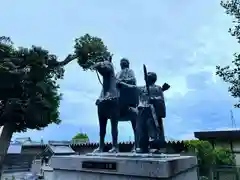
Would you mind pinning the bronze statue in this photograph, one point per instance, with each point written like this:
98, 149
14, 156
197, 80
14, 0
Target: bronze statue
110, 101
151, 110
126, 74
129, 98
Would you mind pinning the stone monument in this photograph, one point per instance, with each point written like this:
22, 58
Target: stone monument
146, 162
124, 166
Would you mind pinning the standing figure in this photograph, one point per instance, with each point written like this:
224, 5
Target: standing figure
129, 98
151, 110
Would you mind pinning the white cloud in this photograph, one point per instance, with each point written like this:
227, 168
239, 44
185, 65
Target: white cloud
188, 136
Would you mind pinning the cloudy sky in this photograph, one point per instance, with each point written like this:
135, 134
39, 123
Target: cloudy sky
182, 42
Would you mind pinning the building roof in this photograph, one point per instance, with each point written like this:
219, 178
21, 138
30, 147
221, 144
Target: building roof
55, 143
61, 149
23, 140
220, 135
57, 150
15, 148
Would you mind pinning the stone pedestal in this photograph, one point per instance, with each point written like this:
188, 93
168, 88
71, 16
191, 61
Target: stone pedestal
124, 166
36, 166
47, 173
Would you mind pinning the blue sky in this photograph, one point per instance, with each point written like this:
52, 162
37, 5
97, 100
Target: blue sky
182, 42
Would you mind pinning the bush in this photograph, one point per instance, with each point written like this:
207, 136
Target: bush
209, 157
80, 136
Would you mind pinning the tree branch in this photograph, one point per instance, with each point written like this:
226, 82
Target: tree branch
68, 59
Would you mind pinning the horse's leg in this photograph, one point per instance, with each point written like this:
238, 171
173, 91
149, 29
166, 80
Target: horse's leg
133, 118
114, 127
133, 122
102, 126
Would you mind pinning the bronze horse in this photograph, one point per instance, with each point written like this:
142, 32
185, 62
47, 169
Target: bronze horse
110, 107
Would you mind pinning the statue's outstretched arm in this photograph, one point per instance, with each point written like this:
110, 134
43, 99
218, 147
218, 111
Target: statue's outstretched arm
131, 77
165, 86
125, 85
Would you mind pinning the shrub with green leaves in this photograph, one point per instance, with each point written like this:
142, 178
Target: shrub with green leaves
89, 50
80, 136
209, 157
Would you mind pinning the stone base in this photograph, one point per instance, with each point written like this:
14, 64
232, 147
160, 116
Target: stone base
124, 166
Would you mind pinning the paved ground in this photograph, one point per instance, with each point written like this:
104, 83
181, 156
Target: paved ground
17, 175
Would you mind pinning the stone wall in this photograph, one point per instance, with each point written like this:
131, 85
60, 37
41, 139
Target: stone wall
82, 148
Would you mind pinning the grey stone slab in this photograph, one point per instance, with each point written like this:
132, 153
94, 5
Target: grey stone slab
129, 165
133, 155
74, 175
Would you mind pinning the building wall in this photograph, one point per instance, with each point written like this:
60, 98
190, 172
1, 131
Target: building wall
236, 150
32, 149
223, 144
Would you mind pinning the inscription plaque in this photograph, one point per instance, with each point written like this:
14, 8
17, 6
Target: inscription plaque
99, 165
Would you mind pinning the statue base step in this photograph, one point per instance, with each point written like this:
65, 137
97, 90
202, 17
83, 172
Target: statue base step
124, 166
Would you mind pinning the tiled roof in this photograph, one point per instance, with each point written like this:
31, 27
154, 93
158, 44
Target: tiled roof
14, 148
23, 140
223, 135
61, 149
59, 142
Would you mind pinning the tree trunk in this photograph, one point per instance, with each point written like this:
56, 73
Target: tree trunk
5, 138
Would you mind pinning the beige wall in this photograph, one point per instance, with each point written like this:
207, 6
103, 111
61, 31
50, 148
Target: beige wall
222, 144
236, 146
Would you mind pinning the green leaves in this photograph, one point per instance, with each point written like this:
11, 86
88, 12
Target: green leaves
28, 89
80, 136
209, 156
89, 50
29, 95
204, 151
224, 156
231, 74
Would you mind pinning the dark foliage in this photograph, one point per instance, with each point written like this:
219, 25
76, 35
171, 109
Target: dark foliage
29, 95
89, 50
231, 74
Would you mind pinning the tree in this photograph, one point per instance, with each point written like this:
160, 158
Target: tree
80, 136
208, 157
231, 74
29, 97
89, 50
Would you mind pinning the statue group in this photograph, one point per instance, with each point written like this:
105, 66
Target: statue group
121, 99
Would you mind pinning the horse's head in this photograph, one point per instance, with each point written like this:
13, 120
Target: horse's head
104, 67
